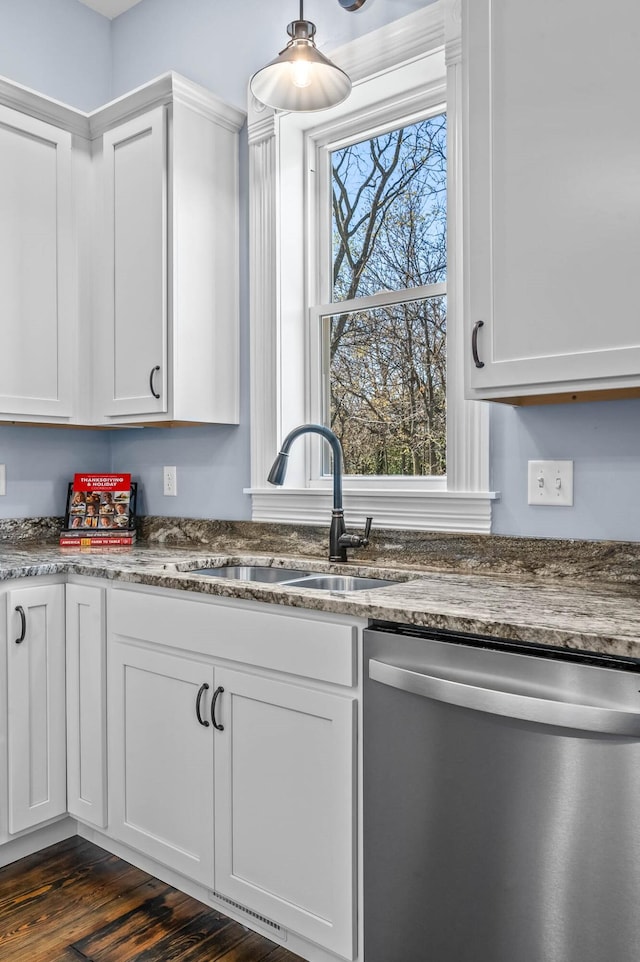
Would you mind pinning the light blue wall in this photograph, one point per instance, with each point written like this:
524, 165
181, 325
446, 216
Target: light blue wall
210, 476
603, 441
220, 43
65, 50
40, 462
58, 47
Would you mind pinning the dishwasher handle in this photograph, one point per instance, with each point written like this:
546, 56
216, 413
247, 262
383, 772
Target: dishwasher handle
545, 711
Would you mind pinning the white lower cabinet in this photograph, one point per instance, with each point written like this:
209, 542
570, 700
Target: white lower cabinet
284, 804
161, 760
36, 740
86, 704
161, 757
225, 733
239, 776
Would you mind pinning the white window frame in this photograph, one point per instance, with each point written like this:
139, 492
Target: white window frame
321, 141
400, 71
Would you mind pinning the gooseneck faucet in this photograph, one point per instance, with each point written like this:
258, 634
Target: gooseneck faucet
339, 540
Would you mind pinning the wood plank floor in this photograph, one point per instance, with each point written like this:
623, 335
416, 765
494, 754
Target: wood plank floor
74, 902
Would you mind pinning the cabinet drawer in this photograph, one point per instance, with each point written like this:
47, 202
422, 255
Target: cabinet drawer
291, 642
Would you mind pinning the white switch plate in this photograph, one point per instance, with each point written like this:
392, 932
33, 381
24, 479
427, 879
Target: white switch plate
551, 482
3, 479
170, 480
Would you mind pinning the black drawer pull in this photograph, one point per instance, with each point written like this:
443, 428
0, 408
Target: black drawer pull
151, 387
216, 695
474, 343
203, 721
23, 624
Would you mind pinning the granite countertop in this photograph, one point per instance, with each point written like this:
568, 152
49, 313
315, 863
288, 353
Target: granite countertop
591, 602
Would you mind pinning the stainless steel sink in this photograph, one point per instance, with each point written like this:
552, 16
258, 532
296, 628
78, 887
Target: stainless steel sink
292, 577
266, 575
339, 583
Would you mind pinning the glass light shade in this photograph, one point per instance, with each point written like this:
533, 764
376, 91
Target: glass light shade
300, 78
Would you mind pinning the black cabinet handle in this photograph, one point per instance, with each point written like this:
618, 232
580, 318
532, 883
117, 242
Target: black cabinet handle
151, 387
474, 343
216, 695
23, 624
203, 721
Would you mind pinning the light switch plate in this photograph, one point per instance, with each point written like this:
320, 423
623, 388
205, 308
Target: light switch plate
3, 479
551, 482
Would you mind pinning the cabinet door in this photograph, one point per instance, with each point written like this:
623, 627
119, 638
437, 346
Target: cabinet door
161, 757
284, 805
36, 705
38, 301
133, 341
86, 704
553, 203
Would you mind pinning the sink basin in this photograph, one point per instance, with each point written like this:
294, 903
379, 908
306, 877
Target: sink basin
339, 583
266, 575
292, 577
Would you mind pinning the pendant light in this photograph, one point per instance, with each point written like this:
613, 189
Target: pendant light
300, 77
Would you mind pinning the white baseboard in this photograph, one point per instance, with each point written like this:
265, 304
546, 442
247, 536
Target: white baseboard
17, 848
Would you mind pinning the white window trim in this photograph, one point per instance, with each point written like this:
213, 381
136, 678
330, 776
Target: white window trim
282, 285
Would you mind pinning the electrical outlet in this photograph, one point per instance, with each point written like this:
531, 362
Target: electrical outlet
551, 482
3, 479
170, 481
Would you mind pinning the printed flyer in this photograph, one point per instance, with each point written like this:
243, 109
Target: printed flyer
100, 511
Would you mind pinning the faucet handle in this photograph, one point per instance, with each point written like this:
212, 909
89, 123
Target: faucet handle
347, 540
367, 532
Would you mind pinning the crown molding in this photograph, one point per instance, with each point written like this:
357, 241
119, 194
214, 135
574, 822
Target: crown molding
207, 104
50, 111
398, 42
264, 128
168, 88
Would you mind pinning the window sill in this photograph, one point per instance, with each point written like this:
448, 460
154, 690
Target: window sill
418, 510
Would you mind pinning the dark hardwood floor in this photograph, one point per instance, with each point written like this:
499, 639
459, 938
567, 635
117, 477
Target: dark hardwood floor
74, 902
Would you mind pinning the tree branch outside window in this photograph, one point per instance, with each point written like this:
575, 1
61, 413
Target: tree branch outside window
388, 365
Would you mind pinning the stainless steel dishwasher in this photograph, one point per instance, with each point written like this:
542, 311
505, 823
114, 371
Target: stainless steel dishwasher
501, 801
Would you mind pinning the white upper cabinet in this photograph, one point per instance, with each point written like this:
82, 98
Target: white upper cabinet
133, 350
127, 217
38, 286
552, 199
168, 312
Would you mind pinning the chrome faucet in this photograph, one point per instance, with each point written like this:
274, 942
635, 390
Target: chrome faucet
339, 539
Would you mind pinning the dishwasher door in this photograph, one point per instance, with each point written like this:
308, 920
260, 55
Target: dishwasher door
501, 805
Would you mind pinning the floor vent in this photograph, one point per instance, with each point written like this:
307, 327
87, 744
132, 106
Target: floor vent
261, 919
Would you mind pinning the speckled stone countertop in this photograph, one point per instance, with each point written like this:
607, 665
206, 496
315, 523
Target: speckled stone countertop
580, 595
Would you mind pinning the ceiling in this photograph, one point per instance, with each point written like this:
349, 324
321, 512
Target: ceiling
110, 8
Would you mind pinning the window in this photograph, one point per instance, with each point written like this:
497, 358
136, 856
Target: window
384, 351
356, 293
